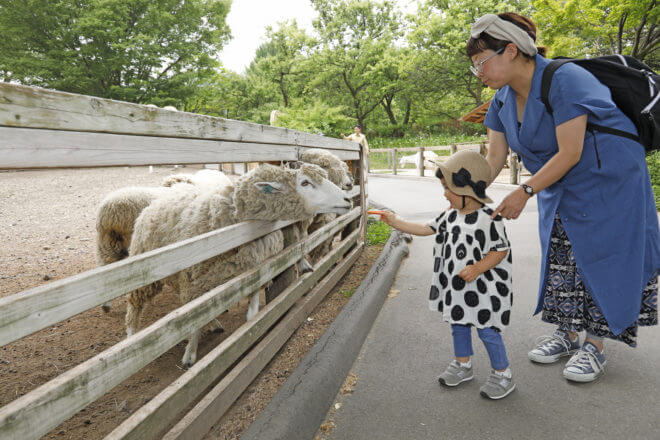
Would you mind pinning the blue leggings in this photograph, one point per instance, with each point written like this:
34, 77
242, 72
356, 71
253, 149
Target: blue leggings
492, 341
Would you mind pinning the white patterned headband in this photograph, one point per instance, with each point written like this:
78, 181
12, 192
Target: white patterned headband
504, 30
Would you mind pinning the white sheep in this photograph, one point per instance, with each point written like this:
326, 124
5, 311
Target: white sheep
340, 175
414, 159
266, 193
118, 211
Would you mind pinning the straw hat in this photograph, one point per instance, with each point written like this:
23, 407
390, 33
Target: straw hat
466, 173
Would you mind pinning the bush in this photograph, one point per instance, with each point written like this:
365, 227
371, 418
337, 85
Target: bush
653, 161
315, 118
377, 232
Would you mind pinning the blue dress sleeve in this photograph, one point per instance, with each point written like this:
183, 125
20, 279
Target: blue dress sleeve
492, 119
574, 91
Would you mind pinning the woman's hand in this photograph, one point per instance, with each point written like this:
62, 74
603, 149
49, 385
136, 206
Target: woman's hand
469, 273
512, 205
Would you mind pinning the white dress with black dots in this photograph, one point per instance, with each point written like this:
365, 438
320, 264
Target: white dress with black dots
461, 240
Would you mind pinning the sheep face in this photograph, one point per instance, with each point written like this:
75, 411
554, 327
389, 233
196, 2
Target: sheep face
322, 196
288, 194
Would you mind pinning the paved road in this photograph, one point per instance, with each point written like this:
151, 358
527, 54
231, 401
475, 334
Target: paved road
397, 395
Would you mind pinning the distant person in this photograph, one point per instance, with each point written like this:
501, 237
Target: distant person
360, 139
598, 225
471, 284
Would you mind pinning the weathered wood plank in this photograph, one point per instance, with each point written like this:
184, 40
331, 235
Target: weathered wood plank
34, 148
65, 395
32, 310
32, 107
210, 409
148, 421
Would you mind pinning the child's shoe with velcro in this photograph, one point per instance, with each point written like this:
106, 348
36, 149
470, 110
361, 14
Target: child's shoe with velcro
498, 385
456, 373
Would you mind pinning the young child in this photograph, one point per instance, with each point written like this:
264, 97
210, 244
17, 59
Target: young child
471, 284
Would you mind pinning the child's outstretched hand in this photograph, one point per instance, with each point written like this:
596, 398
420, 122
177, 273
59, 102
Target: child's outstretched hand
386, 216
469, 273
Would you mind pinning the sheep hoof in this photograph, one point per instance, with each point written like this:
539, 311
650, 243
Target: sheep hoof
304, 266
188, 361
106, 307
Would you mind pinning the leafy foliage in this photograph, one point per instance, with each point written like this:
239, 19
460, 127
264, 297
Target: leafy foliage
377, 232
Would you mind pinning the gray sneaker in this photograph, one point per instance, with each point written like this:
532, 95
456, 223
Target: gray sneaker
550, 349
455, 374
585, 365
497, 386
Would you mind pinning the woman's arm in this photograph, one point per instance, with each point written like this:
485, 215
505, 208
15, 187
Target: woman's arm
570, 139
405, 226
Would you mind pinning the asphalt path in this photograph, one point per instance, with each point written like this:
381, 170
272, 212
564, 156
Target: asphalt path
397, 395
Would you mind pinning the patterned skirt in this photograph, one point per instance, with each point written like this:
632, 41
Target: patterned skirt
567, 303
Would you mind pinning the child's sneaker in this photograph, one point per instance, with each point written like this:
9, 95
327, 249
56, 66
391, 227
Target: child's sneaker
585, 365
498, 386
455, 374
550, 348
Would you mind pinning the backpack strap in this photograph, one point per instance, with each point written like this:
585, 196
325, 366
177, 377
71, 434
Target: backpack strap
546, 80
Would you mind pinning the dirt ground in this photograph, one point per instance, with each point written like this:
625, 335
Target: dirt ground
48, 233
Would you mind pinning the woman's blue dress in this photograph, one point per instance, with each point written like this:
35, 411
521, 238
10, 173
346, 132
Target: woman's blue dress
605, 201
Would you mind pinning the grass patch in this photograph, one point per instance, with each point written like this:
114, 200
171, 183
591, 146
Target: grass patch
377, 232
348, 292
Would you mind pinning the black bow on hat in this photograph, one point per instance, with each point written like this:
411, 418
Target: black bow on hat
463, 178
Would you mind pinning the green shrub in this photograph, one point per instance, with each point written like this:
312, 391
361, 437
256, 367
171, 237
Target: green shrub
653, 161
377, 232
316, 118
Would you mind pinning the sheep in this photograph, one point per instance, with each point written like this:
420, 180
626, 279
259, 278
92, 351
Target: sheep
429, 156
119, 210
266, 193
339, 174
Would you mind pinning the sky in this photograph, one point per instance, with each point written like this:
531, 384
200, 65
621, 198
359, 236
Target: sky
248, 19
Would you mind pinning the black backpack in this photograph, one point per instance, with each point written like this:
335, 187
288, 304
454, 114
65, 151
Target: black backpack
635, 90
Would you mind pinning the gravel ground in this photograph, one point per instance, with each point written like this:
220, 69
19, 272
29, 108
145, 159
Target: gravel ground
48, 233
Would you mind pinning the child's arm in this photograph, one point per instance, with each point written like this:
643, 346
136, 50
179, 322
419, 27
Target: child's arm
405, 226
492, 259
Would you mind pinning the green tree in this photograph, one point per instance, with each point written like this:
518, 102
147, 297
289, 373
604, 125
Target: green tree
582, 28
354, 37
133, 50
440, 30
281, 60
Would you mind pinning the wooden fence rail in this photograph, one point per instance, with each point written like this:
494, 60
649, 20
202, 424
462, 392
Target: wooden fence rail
44, 128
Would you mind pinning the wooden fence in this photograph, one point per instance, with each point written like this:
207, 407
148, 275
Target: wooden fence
482, 147
47, 129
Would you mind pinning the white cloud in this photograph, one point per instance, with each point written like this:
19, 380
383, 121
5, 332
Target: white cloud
248, 19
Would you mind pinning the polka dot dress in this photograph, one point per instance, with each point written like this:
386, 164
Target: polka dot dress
462, 240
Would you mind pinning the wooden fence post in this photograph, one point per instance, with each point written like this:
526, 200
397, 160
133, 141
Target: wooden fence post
420, 166
452, 149
513, 168
394, 161
482, 149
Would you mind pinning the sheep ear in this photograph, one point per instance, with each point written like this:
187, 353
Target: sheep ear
270, 187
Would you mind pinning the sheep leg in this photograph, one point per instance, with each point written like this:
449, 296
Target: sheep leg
107, 306
190, 355
133, 317
253, 308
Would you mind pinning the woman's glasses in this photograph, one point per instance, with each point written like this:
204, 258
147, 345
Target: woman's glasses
479, 67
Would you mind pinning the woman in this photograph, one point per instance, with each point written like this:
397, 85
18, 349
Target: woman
597, 220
